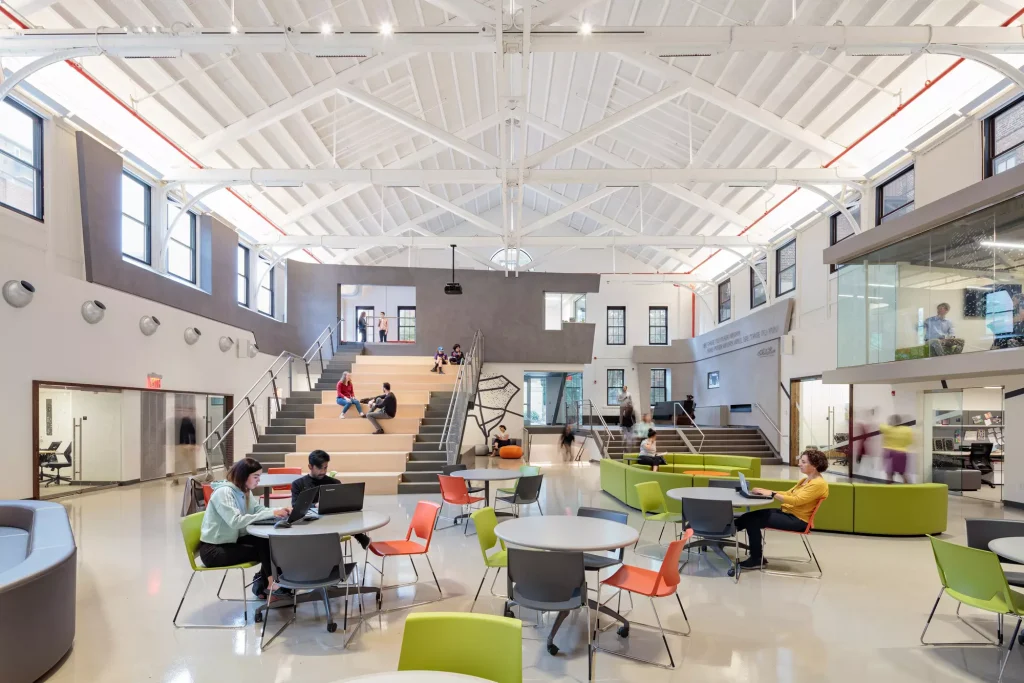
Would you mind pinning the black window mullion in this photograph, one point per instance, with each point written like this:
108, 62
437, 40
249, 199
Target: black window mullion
35, 166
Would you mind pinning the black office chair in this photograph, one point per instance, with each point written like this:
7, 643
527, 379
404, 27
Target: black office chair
447, 470
591, 561
713, 520
723, 483
981, 460
57, 466
527, 493
47, 455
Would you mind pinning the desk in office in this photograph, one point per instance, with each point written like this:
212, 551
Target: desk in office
343, 524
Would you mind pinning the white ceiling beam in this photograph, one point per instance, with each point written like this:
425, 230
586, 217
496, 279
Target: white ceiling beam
606, 124
467, 9
703, 203
760, 177
455, 210
293, 177
445, 241
568, 210
556, 10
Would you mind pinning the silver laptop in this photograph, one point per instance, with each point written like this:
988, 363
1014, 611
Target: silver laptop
745, 490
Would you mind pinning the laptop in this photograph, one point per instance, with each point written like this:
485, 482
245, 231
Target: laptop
302, 504
745, 490
336, 498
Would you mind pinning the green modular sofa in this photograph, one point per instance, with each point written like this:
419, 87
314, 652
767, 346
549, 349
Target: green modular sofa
896, 510
731, 464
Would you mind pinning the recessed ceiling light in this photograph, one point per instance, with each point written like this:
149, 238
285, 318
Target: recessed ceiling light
586, 29
326, 29
386, 29
154, 29
233, 29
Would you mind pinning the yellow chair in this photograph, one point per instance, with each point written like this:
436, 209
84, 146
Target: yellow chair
481, 645
485, 520
654, 509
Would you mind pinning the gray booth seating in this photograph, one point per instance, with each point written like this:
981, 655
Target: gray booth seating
37, 588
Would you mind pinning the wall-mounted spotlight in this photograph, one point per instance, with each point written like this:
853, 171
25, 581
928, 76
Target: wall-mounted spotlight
254, 349
225, 344
18, 293
92, 311
192, 335
148, 324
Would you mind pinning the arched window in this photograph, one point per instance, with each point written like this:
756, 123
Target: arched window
499, 258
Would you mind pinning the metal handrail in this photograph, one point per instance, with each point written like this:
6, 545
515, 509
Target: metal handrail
693, 422
267, 380
609, 435
770, 421
318, 345
465, 387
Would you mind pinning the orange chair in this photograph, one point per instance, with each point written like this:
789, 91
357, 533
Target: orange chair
805, 537
510, 452
423, 520
285, 491
207, 492
653, 584
455, 492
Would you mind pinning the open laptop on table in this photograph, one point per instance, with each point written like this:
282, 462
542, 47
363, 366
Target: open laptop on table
744, 490
337, 498
299, 511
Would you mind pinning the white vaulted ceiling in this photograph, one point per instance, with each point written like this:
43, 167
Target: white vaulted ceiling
443, 110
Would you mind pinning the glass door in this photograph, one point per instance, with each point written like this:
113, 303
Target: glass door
82, 432
820, 416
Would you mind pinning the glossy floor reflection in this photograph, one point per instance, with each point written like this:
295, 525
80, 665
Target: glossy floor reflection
860, 622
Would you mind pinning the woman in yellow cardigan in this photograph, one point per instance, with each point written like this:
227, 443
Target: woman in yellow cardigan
797, 505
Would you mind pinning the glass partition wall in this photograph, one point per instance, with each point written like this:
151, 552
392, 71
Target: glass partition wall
954, 289
963, 433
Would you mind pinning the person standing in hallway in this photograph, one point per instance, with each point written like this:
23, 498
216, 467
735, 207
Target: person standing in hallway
645, 425
223, 541
627, 420
897, 439
318, 463
937, 328
383, 407
346, 395
797, 505
382, 328
361, 326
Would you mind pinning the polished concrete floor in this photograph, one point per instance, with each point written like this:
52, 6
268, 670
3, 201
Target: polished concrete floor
861, 622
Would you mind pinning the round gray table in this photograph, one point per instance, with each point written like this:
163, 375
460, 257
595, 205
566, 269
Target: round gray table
343, 524
487, 475
713, 493
268, 481
414, 677
1011, 549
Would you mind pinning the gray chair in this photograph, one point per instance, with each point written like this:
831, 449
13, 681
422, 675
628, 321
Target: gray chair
527, 493
980, 532
447, 471
723, 483
549, 581
308, 563
593, 562
713, 522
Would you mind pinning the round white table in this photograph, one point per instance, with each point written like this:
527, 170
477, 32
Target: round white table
269, 481
1010, 548
343, 524
414, 676
487, 475
715, 493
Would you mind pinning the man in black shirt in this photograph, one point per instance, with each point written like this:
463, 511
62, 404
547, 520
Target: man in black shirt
318, 462
383, 407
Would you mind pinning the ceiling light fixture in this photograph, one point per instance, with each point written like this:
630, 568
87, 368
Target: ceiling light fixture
386, 29
18, 293
233, 29
1003, 245
148, 325
192, 335
326, 29
586, 28
92, 311
225, 344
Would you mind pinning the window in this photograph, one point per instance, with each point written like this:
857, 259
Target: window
181, 248
506, 259
564, 308
616, 380
724, 301
785, 268
136, 222
757, 294
839, 229
616, 323
21, 159
1004, 139
265, 295
659, 385
895, 197
657, 329
407, 323
243, 275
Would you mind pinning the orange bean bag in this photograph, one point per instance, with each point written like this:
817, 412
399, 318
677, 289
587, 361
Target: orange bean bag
510, 452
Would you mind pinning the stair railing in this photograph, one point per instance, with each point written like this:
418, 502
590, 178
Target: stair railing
700, 448
463, 391
316, 348
267, 380
578, 407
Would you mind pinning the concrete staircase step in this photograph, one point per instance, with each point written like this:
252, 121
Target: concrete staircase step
286, 430
289, 421
425, 466
418, 487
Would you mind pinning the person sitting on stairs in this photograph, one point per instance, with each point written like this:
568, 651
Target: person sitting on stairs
440, 360
347, 395
318, 463
383, 407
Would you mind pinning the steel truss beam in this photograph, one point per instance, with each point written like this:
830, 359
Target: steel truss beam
445, 241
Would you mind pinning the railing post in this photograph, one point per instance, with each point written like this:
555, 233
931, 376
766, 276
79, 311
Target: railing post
252, 418
320, 353
277, 396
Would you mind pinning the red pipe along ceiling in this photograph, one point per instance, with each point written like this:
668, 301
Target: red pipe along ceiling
191, 159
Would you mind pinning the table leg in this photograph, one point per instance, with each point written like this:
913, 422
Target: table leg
266, 496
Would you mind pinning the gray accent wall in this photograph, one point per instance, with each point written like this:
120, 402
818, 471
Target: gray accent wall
154, 435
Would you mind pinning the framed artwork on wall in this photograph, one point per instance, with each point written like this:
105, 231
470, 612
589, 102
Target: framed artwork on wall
713, 380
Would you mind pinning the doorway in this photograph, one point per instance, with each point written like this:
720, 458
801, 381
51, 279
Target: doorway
963, 434
820, 418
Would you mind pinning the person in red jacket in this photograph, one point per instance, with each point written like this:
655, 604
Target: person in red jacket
347, 396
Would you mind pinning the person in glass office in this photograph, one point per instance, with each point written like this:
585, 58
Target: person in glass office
797, 505
223, 541
937, 328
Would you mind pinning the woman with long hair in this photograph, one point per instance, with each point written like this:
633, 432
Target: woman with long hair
347, 395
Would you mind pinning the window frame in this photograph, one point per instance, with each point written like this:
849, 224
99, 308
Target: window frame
401, 326
608, 326
989, 136
244, 275
147, 226
608, 386
270, 286
651, 328
724, 283
879, 216
37, 159
754, 282
779, 270
194, 249
833, 228
663, 387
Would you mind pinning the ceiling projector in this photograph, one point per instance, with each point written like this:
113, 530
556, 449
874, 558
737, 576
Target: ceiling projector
453, 288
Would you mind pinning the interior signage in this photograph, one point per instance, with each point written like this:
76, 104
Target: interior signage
153, 381
737, 338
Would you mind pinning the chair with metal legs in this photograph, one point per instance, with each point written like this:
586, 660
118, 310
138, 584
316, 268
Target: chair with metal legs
653, 584
485, 521
455, 492
594, 562
805, 536
191, 527
447, 471
653, 508
527, 493
713, 522
423, 521
975, 578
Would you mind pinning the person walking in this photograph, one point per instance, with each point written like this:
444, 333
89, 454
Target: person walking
361, 326
645, 425
382, 328
346, 395
566, 441
383, 407
896, 441
627, 420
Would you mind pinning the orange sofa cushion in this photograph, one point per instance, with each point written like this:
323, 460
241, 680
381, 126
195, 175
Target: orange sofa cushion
510, 452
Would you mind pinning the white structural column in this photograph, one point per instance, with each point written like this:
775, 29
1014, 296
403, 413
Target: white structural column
524, 105
456, 210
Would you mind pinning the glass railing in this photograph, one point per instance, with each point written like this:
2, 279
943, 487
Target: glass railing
954, 289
